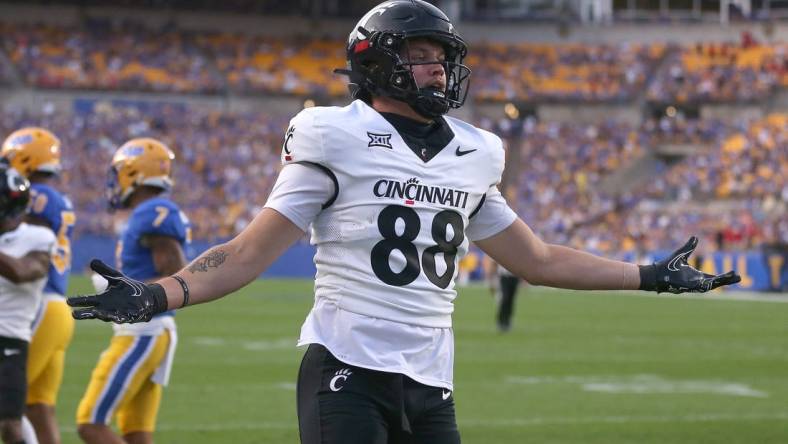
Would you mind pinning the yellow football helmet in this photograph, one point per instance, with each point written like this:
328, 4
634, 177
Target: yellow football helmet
138, 162
31, 150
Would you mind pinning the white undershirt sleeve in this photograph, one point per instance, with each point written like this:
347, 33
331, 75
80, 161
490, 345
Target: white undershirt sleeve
493, 217
300, 192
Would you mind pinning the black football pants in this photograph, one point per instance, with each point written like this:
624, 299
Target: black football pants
508, 286
13, 377
343, 404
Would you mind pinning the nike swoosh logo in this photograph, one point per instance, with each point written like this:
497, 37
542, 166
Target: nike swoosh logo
674, 263
445, 395
459, 152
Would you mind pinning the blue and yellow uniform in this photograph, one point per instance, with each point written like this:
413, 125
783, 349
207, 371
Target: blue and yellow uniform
128, 379
36, 151
53, 326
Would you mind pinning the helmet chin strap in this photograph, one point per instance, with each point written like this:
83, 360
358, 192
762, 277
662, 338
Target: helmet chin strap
429, 103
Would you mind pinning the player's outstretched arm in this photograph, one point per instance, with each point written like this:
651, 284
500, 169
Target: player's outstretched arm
519, 250
225, 268
219, 271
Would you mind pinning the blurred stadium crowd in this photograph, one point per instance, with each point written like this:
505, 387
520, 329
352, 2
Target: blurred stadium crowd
562, 166
127, 56
228, 161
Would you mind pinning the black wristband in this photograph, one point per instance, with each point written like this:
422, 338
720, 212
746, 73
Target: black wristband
648, 277
159, 297
185, 289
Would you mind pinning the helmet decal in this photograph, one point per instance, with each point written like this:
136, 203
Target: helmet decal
30, 150
21, 139
379, 9
138, 162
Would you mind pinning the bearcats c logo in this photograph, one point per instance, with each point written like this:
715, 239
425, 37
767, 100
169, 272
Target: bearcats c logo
288, 136
363, 22
340, 375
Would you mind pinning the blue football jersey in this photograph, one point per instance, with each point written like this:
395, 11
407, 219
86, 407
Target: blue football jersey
159, 217
53, 207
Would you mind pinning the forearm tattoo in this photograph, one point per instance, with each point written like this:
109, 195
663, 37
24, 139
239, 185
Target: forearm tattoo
211, 259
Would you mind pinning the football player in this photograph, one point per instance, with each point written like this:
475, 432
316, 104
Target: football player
35, 153
394, 191
503, 286
127, 381
24, 261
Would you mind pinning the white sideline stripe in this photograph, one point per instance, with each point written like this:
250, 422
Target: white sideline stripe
277, 344
708, 417
209, 341
679, 387
226, 388
491, 423
644, 384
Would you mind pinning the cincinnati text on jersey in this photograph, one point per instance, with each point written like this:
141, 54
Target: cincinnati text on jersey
412, 191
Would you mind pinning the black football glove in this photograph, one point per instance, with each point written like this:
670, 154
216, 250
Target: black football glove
124, 301
674, 274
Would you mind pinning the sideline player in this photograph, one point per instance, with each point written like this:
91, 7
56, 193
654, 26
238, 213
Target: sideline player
128, 379
35, 153
503, 285
24, 259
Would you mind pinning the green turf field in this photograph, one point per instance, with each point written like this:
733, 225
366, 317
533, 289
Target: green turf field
576, 368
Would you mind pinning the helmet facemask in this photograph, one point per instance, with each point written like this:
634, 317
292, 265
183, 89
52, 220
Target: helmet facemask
14, 194
114, 192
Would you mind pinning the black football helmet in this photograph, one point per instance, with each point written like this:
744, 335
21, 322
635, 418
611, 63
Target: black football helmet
375, 67
14, 192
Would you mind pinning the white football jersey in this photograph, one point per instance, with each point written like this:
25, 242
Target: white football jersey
19, 302
390, 238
